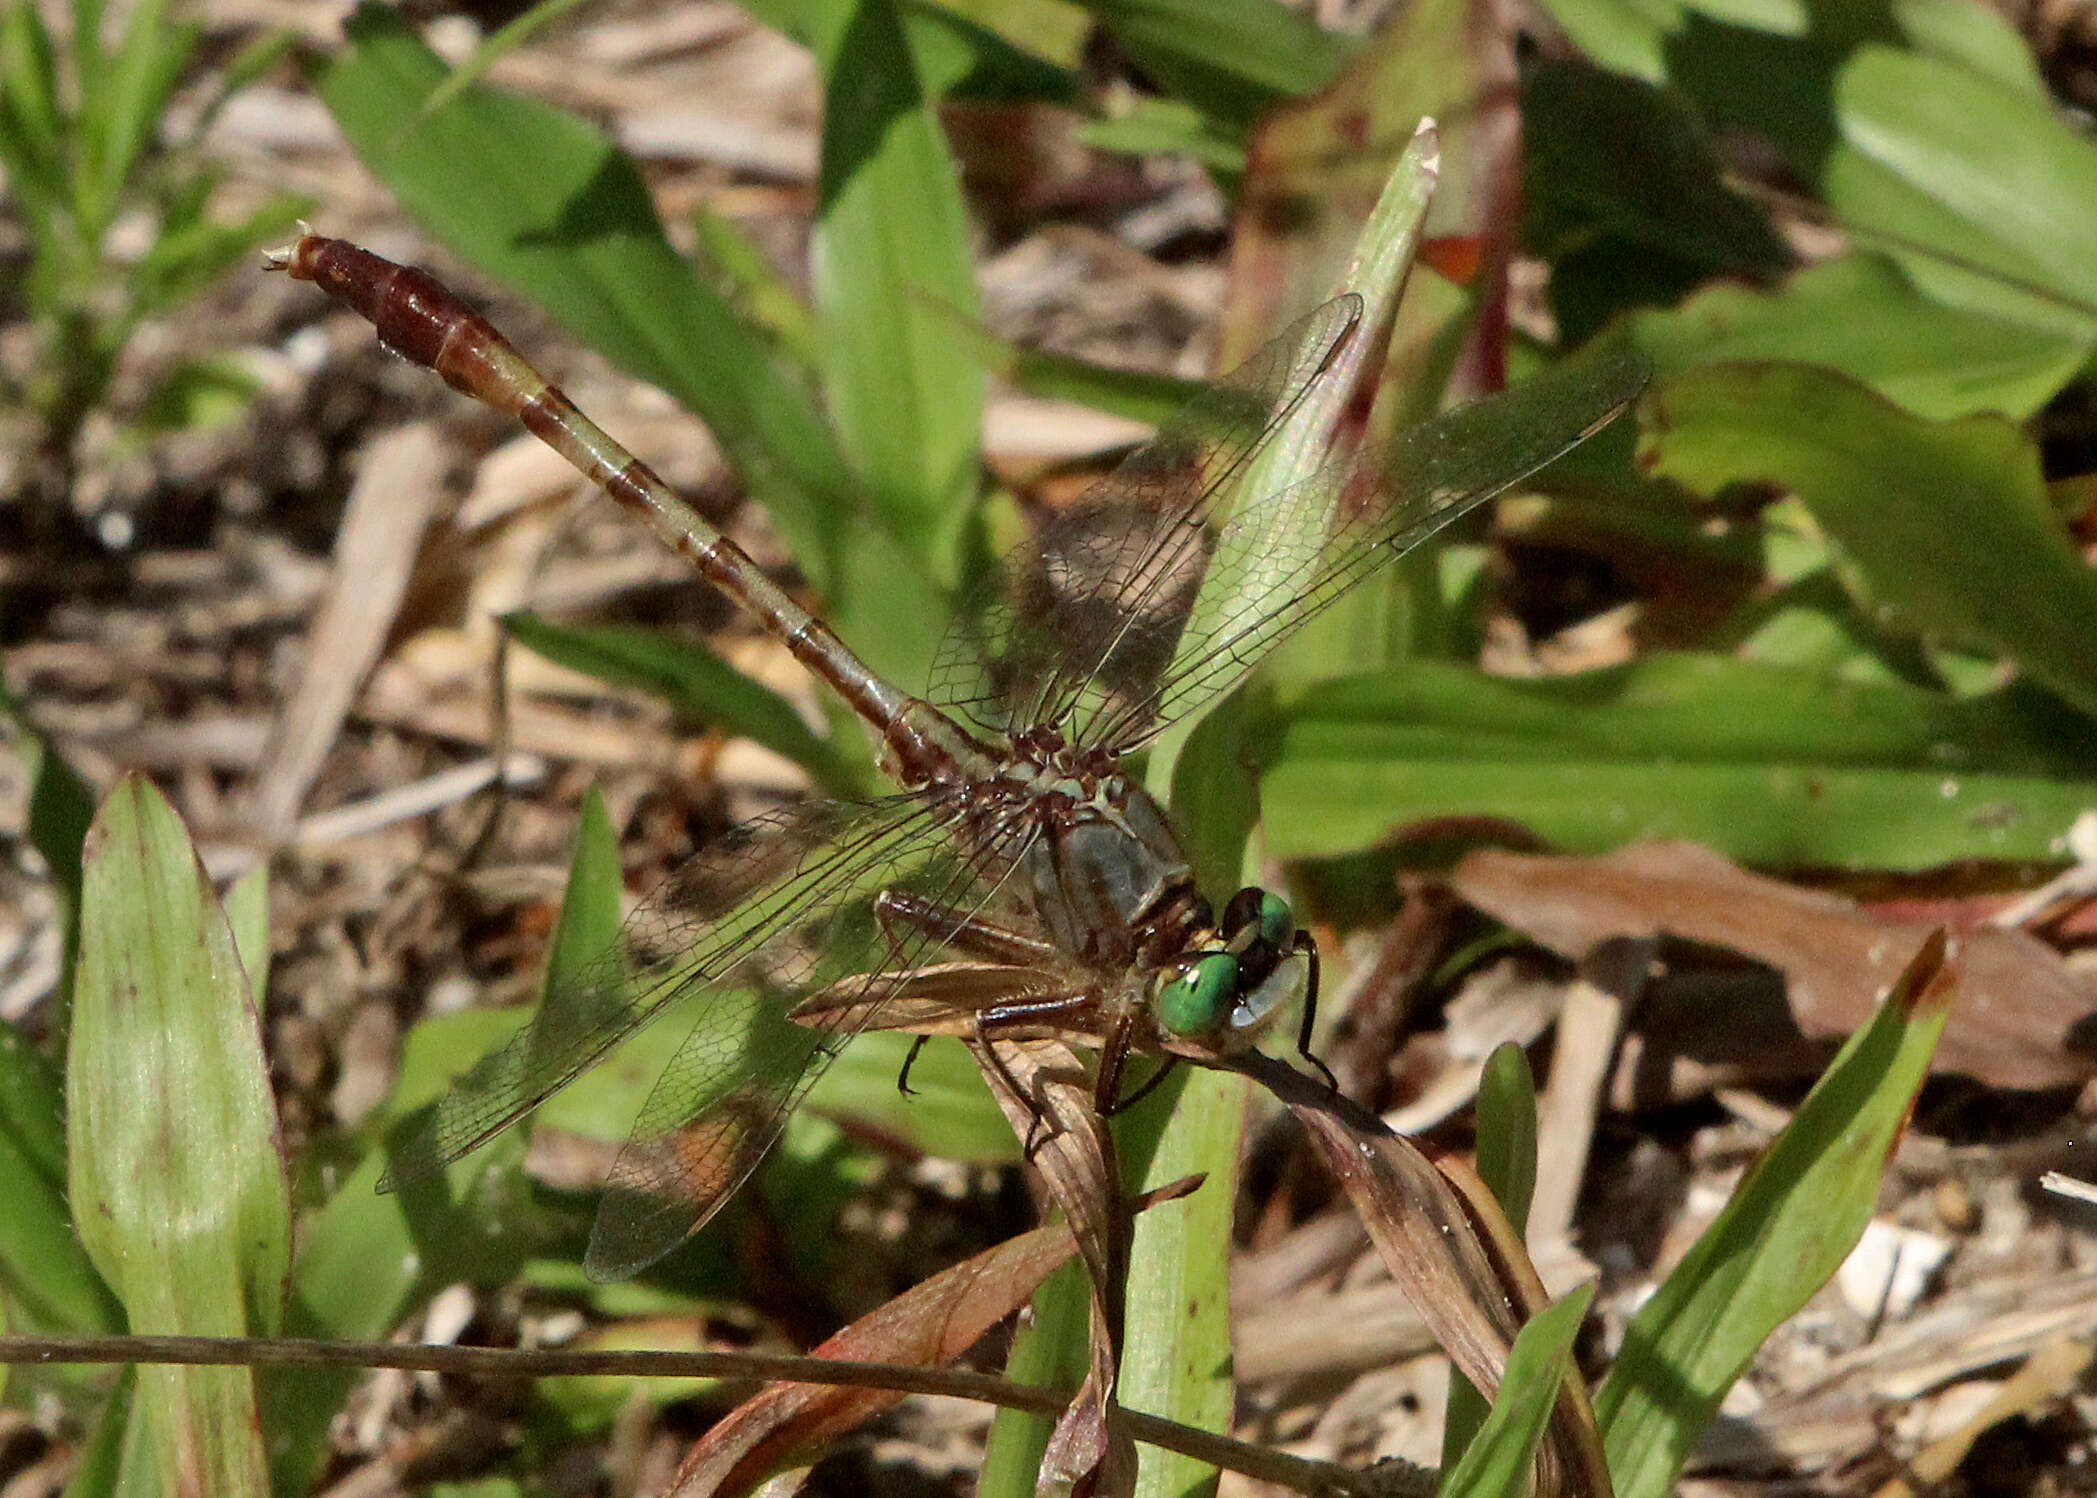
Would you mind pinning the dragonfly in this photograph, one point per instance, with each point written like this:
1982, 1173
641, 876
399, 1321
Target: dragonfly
1020, 883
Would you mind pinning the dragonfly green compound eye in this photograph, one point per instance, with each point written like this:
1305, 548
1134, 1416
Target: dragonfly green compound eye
1277, 921
1194, 1003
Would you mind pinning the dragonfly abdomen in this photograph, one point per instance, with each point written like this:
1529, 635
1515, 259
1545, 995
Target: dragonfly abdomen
423, 321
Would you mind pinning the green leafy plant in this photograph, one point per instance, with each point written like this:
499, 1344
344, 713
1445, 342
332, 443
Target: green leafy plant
82, 139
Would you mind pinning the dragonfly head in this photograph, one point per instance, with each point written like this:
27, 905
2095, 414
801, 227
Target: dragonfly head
1226, 993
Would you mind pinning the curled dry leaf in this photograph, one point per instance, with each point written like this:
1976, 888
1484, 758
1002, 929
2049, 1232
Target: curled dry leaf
1449, 1247
2013, 1019
1046, 1094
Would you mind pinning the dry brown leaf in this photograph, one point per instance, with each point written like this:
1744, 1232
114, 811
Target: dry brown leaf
2013, 1016
1446, 1242
928, 1325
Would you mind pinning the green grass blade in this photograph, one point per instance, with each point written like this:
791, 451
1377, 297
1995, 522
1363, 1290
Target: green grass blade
174, 1170
1140, 395
30, 97
503, 41
1050, 1349
1179, 1325
1506, 1111
1787, 1229
142, 75
761, 294
891, 247
1500, 1462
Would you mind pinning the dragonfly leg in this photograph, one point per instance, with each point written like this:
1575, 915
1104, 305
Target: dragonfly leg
1146, 1087
1023, 1015
1113, 1060
1113, 1053
903, 914
1309, 948
903, 1076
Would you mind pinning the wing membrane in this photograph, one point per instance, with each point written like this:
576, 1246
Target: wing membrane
1282, 559
741, 905
727, 1092
1086, 614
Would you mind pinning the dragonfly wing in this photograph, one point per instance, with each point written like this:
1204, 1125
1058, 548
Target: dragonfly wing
758, 1045
730, 904
1086, 613
1281, 560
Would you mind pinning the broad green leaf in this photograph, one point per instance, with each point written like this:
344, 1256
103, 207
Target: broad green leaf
1997, 195
1859, 314
1625, 194
1768, 765
1499, 1462
1229, 58
174, 1171
1633, 36
701, 686
1054, 29
1947, 523
958, 57
543, 202
891, 245
1719, 47
1787, 1229
1978, 38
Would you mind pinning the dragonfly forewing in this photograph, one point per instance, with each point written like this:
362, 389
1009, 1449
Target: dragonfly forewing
757, 1045
753, 912
1281, 561
1084, 616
